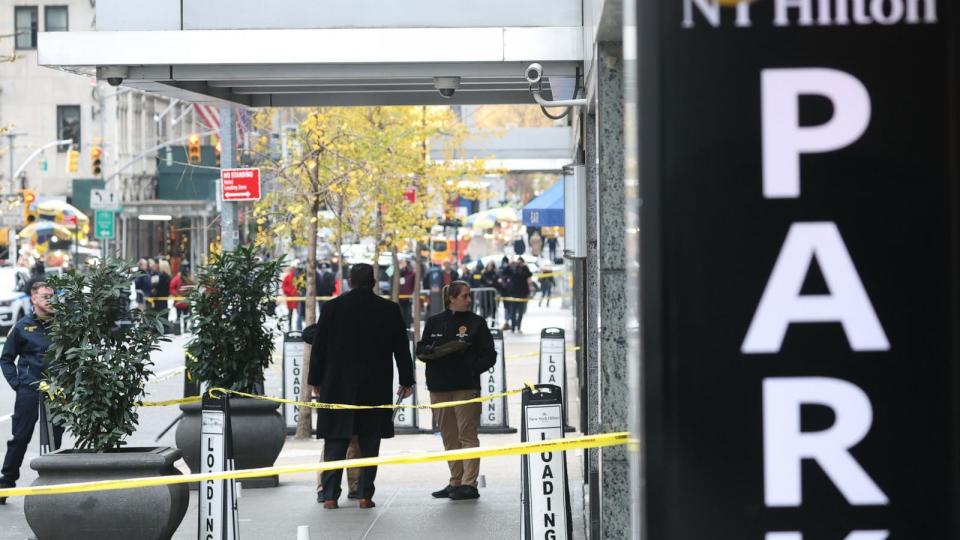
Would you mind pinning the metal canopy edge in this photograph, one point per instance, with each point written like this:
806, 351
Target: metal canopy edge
346, 67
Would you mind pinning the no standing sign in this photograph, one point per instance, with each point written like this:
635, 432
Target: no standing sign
240, 184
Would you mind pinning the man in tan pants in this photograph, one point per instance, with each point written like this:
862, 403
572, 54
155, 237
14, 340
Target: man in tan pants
353, 475
458, 428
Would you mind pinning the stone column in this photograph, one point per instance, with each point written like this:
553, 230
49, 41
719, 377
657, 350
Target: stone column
614, 393
592, 338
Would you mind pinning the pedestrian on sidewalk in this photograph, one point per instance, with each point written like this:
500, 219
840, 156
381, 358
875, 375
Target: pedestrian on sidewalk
28, 341
351, 362
408, 282
289, 288
180, 286
353, 451
457, 347
546, 284
518, 290
142, 283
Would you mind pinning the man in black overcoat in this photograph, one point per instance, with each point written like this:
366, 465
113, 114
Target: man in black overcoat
358, 337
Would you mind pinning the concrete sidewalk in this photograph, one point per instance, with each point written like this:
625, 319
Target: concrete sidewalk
405, 508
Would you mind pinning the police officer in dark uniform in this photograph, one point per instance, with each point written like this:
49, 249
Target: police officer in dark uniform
28, 340
457, 347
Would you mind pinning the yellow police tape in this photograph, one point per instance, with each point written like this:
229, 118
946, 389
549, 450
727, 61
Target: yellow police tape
216, 392
176, 372
533, 447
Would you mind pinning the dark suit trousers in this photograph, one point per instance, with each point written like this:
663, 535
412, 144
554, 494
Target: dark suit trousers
26, 411
335, 450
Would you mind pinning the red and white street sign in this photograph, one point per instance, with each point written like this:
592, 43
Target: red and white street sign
240, 184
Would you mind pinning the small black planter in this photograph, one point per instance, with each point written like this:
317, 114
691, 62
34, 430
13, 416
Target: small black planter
258, 437
144, 513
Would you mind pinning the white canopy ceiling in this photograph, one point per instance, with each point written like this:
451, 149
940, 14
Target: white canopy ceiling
339, 66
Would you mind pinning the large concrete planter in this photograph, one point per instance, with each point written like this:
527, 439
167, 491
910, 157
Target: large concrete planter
144, 513
258, 437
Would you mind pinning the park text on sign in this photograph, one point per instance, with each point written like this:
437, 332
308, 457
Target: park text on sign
240, 184
800, 371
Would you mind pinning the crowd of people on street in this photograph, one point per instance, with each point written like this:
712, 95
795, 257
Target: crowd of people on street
511, 283
156, 284
293, 284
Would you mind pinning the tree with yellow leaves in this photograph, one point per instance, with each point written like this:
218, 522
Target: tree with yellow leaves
319, 166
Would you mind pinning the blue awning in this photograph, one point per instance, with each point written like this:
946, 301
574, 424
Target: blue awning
547, 209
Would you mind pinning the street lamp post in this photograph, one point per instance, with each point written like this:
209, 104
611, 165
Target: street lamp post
16, 172
10, 137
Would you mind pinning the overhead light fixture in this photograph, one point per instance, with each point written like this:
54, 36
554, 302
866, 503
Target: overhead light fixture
154, 217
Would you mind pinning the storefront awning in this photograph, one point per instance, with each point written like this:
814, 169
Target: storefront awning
547, 209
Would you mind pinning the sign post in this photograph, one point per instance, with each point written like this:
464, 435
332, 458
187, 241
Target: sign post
553, 363
48, 442
218, 515
799, 373
545, 496
293, 347
495, 417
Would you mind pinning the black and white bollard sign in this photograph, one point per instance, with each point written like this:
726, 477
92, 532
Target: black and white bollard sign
47, 440
553, 363
218, 515
545, 497
405, 420
495, 417
293, 347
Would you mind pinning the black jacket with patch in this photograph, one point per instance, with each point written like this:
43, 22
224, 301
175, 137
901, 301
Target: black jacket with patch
460, 370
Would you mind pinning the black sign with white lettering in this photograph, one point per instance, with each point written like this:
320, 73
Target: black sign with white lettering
798, 171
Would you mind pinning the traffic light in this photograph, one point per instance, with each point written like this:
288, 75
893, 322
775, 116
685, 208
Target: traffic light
96, 155
216, 152
73, 158
193, 149
29, 204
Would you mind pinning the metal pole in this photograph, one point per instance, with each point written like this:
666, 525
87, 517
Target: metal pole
10, 137
228, 153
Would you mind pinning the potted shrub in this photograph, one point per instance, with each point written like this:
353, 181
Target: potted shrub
99, 361
231, 348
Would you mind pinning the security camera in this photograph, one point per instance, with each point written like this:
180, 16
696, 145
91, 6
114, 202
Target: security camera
534, 73
114, 75
446, 85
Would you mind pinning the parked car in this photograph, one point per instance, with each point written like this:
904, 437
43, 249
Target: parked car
14, 301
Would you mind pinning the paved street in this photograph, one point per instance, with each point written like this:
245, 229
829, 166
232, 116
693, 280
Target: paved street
405, 508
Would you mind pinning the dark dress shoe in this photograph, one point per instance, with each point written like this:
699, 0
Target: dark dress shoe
443, 493
464, 493
320, 497
353, 495
367, 503
330, 505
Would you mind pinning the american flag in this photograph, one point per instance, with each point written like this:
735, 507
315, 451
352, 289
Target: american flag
209, 116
